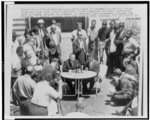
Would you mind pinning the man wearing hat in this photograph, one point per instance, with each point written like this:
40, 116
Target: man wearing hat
41, 29
79, 29
119, 44
80, 48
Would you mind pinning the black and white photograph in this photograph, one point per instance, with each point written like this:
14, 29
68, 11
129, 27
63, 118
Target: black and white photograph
76, 60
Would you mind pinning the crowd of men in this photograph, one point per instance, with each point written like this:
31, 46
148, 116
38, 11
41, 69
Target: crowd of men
36, 60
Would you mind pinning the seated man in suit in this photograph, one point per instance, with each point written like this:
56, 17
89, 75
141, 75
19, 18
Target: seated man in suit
70, 65
91, 65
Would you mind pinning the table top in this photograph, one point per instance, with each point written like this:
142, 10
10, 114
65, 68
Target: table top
82, 75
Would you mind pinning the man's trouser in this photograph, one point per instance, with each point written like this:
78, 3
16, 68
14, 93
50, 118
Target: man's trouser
29, 109
112, 62
85, 82
122, 98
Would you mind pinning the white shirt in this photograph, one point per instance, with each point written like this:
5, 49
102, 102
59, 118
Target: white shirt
112, 44
81, 43
43, 94
55, 38
24, 86
92, 33
130, 45
15, 45
41, 32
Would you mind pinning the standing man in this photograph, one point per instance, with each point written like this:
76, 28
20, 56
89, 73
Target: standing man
42, 33
92, 35
103, 37
80, 48
23, 90
53, 44
41, 28
57, 28
131, 48
119, 44
112, 48
79, 29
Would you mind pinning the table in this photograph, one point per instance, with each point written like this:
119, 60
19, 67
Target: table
78, 78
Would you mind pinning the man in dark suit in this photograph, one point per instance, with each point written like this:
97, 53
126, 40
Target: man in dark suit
80, 48
119, 44
70, 65
91, 65
103, 35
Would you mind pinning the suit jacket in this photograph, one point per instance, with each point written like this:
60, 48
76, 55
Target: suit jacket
80, 52
76, 46
119, 39
95, 66
68, 66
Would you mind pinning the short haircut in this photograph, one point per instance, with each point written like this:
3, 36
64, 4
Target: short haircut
130, 31
114, 21
79, 23
93, 20
104, 22
19, 49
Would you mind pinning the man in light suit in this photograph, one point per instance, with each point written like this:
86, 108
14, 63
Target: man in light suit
80, 48
91, 65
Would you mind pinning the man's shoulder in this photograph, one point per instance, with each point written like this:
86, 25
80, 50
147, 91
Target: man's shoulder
66, 62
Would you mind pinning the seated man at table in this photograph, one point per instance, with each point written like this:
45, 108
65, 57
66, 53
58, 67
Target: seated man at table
69, 66
91, 65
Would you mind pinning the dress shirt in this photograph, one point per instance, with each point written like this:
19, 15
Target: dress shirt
92, 33
43, 94
130, 45
24, 86
112, 44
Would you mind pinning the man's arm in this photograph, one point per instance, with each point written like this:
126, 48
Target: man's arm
124, 83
